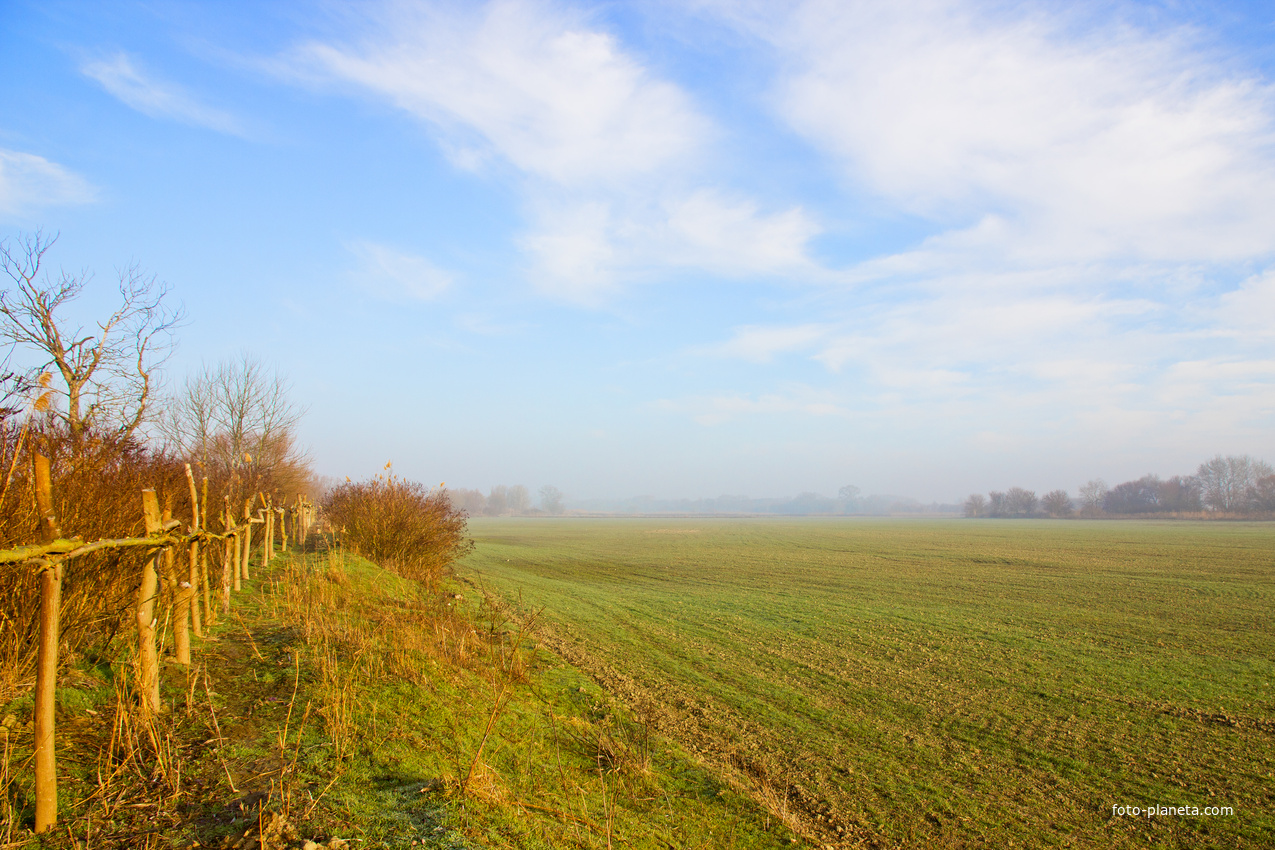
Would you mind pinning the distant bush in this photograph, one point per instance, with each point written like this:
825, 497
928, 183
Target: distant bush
401, 525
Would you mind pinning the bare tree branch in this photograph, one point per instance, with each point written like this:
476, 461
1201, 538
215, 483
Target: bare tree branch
237, 421
109, 372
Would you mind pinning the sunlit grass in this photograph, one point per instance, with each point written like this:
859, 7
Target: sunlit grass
968, 682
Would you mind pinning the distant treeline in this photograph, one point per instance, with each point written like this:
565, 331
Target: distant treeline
516, 501
1229, 486
847, 502
507, 501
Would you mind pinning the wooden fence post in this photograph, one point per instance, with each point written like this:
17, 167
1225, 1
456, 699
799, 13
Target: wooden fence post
179, 594
196, 618
267, 545
210, 612
247, 539
229, 560
46, 777
246, 529
283, 528
148, 657
233, 540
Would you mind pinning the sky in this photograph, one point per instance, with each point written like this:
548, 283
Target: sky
683, 249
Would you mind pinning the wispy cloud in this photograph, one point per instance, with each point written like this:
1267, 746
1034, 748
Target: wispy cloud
1084, 142
760, 344
733, 237
122, 78
585, 250
535, 84
395, 275
605, 149
573, 251
1088, 192
29, 183
1248, 312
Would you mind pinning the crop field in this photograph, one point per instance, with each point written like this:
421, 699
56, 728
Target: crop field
933, 683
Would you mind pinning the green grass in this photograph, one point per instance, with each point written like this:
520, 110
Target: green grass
339, 700
544, 779
972, 683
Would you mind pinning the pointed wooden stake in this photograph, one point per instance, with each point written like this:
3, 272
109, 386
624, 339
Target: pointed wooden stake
46, 775
147, 594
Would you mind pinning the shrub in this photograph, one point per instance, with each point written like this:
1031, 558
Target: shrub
400, 525
97, 484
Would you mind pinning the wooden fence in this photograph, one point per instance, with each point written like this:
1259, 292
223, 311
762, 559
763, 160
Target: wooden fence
192, 600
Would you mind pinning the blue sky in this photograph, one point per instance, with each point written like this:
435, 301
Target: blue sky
926, 247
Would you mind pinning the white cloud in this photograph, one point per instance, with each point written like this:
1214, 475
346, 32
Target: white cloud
732, 237
535, 83
29, 183
156, 98
760, 344
574, 252
584, 250
606, 152
397, 276
1249, 311
1093, 142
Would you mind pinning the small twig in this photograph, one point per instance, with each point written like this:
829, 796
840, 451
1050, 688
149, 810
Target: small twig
296, 681
335, 777
255, 651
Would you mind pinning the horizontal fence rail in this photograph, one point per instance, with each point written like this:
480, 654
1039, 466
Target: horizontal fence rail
164, 541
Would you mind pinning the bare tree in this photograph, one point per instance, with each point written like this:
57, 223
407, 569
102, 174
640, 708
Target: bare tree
1134, 497
109, 372
236, 419
518, 499
1262, 494
1020, 502
976, 505
14, 388
472, 502
997, 504
551, 499
1225, 481
1056, 503
1092, 496
849, 497
497, 501
1180, 493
